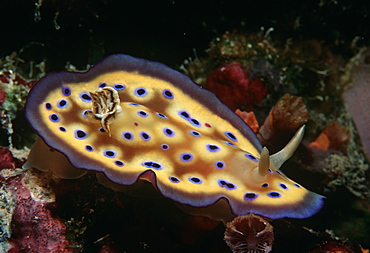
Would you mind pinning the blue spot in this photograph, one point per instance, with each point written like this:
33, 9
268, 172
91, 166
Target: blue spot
62, 129
152, 165
270, 171
184, 114
230, 144
133, 104
212, 148
84, 113
101, 129
250, 196
168, 132
251, 157
167, 94
227, 185
142, 113
62, 103
297, 185
156, 166
147, 164
174, 180
48, 106
127, 136
165, 147
231, 136
85, 97
145, 136
54, 117
161, 115
195, 133
195, 180
102, 85
110, 153
195, 122
220, 165
119, 163
284, 186
79, 134
119, 86
274, 195
186, 157
265, 185
66, 91
89, 148
140, 92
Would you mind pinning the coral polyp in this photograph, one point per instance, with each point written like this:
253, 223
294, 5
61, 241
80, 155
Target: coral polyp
249, 234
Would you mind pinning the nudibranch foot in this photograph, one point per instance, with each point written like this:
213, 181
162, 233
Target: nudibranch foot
165, 129
44, 158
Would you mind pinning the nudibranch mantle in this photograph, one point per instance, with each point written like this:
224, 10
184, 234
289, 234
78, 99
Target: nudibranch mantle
133, 119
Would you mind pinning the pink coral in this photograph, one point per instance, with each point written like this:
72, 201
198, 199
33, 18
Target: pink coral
34, 229
233, 86
7, 160
2, 96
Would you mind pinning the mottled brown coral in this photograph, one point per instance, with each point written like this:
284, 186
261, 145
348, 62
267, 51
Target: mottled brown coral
249, 233
288, 114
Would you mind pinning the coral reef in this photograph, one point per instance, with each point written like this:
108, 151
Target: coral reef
255, 52
7, 206
14, 89
347, 171
27, 222
313, 73
34, 229
249, 233
306, 68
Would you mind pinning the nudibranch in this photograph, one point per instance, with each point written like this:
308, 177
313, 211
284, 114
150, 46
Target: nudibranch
131, 119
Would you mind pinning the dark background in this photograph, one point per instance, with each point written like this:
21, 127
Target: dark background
167, 31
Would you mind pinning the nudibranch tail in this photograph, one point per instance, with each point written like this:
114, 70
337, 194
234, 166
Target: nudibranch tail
135, 119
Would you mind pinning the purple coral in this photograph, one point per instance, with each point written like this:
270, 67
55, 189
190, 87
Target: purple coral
249, 233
